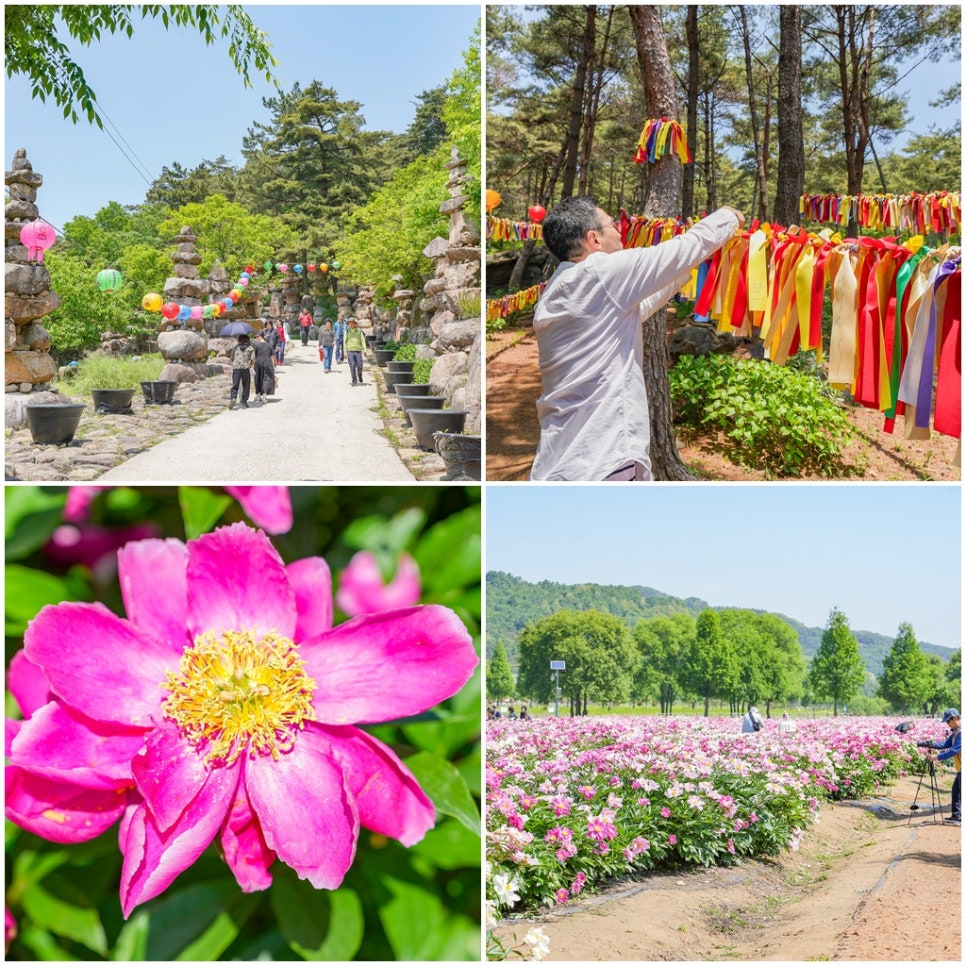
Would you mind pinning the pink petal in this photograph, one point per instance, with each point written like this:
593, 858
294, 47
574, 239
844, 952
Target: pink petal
77, 507
11, 729
154, 585
267, 506
92, 546
153, 859
58, 811
388, 665
243, 846
27, 683
236, 580
311, 581
65, 747
389, 797
305, 810
361, 589
98, 663
168, 773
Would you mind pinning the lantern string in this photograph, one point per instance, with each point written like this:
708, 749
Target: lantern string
144, 173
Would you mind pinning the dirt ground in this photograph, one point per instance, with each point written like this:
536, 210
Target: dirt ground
872, 881
512, 430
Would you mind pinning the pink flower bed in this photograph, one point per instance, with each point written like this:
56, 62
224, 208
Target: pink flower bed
582, 800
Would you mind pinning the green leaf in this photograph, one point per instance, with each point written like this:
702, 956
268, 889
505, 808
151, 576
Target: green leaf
385, 538
222, 932
201, 509
132, 940
450, 846
318, 925
31, 516
180, 918
446, 787
449, 554
63, 919
43, 945
28, 590
412, 918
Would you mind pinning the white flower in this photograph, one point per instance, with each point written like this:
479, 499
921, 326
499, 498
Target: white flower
491, 921
506, 887
538, 942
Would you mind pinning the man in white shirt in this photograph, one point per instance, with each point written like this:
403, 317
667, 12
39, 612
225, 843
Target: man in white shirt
593, 411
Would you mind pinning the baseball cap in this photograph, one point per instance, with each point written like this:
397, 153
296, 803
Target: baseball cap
950, 713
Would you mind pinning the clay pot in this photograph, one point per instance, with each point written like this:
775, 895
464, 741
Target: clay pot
383, 356
407, 402
160, 392
394, 379
428, 421
400, 365
114, 401
53, 423
462, 454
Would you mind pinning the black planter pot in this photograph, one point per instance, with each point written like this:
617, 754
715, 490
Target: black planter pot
383, 356
416, 389
54, 423
157, 393
463, 455
400, 365
394, 379
428, 421
370, 339
407, 402
113, 401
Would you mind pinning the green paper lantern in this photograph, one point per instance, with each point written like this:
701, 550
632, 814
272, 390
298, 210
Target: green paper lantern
335, 266
109, 280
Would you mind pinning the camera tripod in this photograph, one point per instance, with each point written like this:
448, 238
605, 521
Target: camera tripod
929, 767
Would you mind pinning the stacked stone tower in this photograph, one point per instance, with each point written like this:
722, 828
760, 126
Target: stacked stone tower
28, 364
184, 342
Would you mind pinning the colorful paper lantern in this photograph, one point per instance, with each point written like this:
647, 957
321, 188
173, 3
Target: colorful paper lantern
297, 269
335, 266
243, 282
537, 213
152, 302
208, 311
216, 309
283, 268
323, 267
109, 280
170, 310
250, 269
492, 199
197, 312
184, 313
311, 266
38, 236
268, 266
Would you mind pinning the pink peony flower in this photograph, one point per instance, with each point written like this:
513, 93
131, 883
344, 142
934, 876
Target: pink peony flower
672, 840
561, 895
269, 507
223, 707
93, 546
362, 591
9, 928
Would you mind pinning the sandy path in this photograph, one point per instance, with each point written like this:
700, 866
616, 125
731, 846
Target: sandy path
866, 884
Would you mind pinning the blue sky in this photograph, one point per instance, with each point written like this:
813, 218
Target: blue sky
882, 554
174, 99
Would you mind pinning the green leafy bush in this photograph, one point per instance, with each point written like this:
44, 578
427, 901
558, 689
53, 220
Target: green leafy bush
406, 353
113, 372
763, 416
422, 370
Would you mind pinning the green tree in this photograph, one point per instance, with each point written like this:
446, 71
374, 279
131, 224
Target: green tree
463, 117
499, 677
708, 668
427, 130
36, 43
906, 679
662, 643
177, 186
837, 670
228, 233
599, 652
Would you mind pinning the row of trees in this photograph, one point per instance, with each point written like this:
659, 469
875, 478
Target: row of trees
736, 656
314, 184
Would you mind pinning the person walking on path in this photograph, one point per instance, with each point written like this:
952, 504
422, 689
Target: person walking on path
305, 323
339, 331
264, 368
355, 343
280, 339
594, 421
242, 360
326, 345
951, 748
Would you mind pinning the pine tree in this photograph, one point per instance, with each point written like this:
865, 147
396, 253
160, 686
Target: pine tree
499, 676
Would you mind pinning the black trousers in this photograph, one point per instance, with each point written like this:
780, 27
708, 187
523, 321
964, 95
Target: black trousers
264, 380
241, 378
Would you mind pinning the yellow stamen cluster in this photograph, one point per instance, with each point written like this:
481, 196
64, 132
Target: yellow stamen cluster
240, 693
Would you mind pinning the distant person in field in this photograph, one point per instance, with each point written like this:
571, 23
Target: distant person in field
523, 714
951, 750
339, 329
752, 721
786, 725
326, 345
305, 323
281, 337
594, 422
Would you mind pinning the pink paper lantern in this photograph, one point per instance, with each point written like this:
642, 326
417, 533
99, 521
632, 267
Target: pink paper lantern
38, 236
197, 311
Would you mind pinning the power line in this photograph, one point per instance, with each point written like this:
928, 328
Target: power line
142, 171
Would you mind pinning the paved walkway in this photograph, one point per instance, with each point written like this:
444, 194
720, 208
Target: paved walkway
317, 428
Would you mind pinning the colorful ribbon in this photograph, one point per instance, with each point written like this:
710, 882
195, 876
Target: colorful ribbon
659, 138
506, 229
937, 212
500, 308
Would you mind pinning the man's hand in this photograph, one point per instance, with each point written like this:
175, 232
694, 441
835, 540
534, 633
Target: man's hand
740, 215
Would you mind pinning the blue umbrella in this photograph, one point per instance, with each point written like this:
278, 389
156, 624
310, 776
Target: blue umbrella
236, 328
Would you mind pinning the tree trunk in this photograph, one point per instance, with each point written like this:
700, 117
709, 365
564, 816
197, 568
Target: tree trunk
791, 145
664, 187
593, 107
577, 103
691, 27
753, 114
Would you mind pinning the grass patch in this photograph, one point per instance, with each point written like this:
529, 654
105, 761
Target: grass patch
111, 372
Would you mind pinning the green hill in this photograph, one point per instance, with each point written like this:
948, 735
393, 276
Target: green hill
512, 603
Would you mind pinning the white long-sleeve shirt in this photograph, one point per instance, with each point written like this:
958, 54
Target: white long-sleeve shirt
593, 411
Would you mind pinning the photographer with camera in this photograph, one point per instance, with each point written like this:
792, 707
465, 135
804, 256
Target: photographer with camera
943, 751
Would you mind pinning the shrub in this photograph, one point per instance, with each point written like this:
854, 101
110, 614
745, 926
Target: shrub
405, 353
763, 416
113, 372
422, 370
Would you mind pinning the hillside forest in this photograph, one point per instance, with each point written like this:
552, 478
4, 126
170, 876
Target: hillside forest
636, 645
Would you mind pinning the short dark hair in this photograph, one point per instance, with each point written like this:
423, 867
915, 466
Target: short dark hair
567, 224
